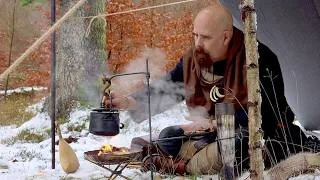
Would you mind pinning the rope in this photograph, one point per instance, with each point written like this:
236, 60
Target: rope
140, 9
40, 40
89, 27
129, 11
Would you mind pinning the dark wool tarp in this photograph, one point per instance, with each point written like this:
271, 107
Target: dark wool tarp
291, 29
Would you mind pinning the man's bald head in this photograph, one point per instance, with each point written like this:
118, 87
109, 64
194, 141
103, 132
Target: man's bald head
216, 15
213, 30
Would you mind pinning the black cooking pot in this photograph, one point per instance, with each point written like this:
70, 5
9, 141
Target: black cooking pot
105, 122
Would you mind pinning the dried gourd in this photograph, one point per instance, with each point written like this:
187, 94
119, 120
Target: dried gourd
68, 158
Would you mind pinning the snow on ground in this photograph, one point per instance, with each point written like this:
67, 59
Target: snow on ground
22, 89
33, 161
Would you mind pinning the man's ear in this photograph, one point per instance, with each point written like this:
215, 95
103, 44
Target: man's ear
226, 37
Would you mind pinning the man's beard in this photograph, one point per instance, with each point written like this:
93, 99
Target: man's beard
203, 58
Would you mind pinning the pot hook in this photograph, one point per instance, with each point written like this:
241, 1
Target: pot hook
106, 90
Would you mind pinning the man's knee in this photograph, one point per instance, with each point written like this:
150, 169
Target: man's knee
143, 143
187, 150
171, 131
206, 161
172, 146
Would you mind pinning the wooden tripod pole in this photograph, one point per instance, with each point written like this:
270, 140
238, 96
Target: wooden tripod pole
254, 109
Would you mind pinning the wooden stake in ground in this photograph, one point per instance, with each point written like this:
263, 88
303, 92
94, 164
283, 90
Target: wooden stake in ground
225, 129
254, 115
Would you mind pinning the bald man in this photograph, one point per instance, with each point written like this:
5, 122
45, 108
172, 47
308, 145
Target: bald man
214, 71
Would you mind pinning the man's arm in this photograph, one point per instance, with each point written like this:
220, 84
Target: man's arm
165, 92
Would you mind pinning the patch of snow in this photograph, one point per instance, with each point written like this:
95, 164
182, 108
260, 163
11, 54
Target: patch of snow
23, 89
36, 108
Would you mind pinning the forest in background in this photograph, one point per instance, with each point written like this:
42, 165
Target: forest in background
165, 32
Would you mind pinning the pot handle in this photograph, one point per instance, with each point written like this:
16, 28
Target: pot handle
121, 125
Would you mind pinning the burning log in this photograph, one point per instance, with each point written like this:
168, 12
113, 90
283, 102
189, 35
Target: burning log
107, 149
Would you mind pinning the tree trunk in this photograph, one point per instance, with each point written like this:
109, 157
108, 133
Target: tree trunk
254, 103
81, 60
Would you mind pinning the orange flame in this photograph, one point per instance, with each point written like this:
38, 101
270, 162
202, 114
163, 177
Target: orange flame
107, 148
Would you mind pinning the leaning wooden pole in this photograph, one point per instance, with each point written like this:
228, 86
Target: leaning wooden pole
254, 115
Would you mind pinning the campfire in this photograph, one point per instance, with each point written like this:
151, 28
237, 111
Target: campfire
111, 155
108, 149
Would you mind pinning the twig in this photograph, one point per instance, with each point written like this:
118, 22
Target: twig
133, 166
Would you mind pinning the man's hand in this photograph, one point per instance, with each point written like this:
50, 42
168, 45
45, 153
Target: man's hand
120, 101
198, 124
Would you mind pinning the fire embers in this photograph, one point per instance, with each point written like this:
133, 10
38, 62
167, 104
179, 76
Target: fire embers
107, 148
202, 57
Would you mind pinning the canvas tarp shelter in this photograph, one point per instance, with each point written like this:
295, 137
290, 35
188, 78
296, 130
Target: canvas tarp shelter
291, 29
